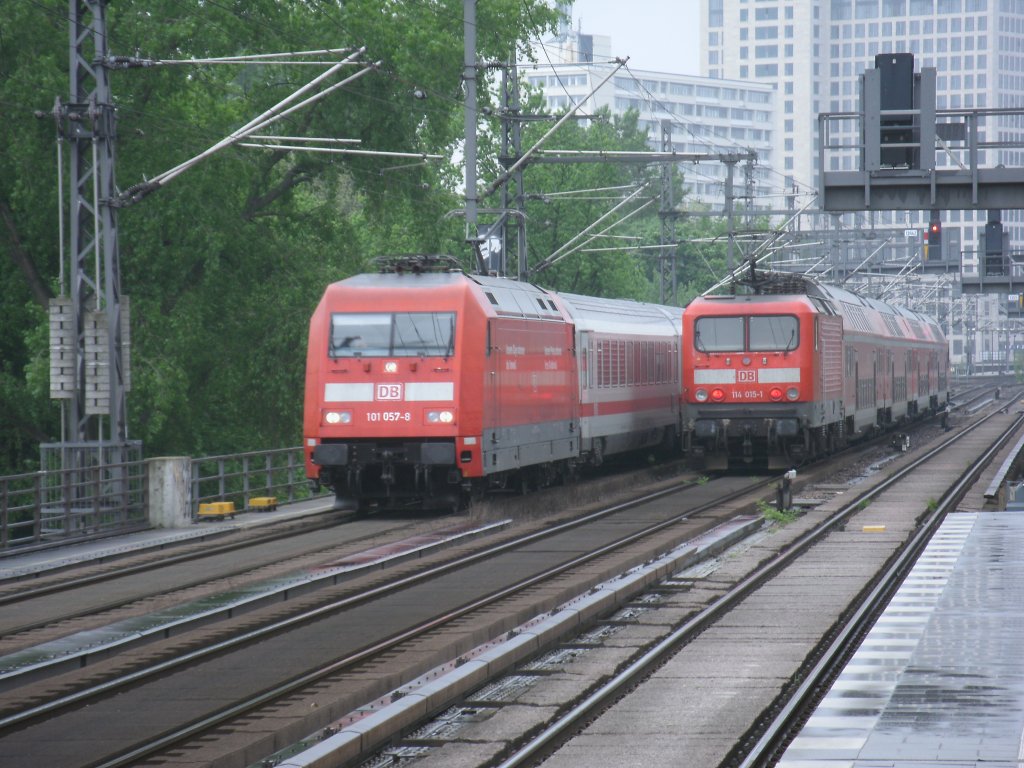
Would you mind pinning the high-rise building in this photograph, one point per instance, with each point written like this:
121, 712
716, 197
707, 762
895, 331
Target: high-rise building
814, 52
704, 116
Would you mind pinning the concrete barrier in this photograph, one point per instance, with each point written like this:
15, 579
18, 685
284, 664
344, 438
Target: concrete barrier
170, 492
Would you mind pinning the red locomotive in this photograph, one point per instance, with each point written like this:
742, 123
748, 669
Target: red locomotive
425, 385
799, 368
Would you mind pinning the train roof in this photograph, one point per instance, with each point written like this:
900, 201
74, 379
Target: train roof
508, 297
774, 283
403, 280
511, 297
515, 298
851, 306
591, 311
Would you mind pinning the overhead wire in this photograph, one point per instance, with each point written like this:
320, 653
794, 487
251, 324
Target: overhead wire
557, 255
859, 219
693, 169
199, 130
657, 104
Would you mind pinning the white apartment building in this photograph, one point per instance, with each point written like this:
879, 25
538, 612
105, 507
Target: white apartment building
711, 117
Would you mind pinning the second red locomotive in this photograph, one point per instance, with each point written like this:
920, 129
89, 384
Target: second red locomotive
798, 369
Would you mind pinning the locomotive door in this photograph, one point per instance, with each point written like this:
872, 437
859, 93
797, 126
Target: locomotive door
874, 378
492, 397
890, 384
585, 364
587, 371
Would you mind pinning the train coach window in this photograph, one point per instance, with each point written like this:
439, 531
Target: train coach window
386, 334
773, 332
718, 334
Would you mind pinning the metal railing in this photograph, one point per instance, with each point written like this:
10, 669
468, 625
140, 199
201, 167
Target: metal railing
51, 507
102, 498
241, 476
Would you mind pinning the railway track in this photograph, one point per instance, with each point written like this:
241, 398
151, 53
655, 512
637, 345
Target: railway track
791, 711
39, 606
421, 610
272, 640
836, 648
763, 740
67, 600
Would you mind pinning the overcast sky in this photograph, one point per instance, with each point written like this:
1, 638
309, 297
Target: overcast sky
658, 35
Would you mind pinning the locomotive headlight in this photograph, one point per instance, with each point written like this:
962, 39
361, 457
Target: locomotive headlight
440, 417
792, 393
717, 394
391, 367
701, 395
338, 417
775, 393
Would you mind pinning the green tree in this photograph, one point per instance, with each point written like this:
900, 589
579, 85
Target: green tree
224, 265
556, 219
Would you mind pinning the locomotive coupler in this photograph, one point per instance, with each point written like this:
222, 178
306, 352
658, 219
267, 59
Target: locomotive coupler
387, 468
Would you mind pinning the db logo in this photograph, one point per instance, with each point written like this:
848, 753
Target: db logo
389, 391
746, 376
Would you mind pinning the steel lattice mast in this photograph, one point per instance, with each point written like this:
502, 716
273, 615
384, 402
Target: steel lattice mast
89, 368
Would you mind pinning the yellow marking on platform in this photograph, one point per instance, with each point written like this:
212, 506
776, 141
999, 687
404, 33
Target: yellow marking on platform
873, 528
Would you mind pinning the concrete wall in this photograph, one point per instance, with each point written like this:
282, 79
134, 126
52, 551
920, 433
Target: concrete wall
170, 492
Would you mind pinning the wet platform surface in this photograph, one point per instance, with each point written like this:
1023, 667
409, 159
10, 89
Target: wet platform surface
939, 680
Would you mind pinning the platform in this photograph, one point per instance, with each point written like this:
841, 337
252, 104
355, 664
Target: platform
939, 680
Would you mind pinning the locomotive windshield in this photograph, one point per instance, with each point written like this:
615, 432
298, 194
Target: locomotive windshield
718, 334
392, 334
759, 333
769, 333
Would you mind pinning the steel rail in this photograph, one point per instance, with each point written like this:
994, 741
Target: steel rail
864, 615
561, 729
173, 559
289, 687
82, 696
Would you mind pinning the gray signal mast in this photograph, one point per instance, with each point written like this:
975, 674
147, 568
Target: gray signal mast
892, 143
89, 329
